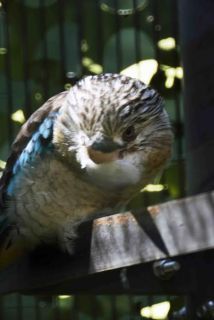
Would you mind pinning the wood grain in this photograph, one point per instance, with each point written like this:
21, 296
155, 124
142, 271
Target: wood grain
124, 240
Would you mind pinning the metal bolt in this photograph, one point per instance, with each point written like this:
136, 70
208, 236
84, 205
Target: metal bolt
179, 315
165, 269
206, 311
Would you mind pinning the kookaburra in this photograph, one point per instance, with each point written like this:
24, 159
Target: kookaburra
86, 150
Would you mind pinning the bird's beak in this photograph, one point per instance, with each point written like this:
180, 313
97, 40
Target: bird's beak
103, 150
105, 145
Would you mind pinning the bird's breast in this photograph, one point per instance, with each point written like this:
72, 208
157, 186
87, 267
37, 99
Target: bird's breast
50, 194
119, 174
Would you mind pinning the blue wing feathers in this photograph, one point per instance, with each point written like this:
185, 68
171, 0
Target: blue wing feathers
29, 147
37, 127
46, 133
33, 141
39, 144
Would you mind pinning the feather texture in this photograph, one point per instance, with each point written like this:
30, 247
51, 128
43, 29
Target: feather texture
84, 151
39, 144
24, 136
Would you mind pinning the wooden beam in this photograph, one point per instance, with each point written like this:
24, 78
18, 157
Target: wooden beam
118, 241
194, 277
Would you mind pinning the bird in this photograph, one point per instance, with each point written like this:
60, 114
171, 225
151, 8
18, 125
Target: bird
84, 152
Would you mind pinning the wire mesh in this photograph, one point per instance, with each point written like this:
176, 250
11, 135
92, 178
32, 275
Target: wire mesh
45, 47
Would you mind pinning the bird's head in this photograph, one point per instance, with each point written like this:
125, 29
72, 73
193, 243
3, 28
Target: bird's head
115, 131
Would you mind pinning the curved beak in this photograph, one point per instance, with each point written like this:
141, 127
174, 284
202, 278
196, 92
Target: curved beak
105, 145
104, 150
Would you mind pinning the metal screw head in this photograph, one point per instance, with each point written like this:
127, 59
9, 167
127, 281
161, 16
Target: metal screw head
206, 311
165, 269
179, 314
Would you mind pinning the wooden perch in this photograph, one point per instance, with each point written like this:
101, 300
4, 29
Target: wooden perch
126, 241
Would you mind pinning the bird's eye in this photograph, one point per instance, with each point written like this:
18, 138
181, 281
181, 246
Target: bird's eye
129, 134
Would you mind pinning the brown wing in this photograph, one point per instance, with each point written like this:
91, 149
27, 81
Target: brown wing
25, 134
